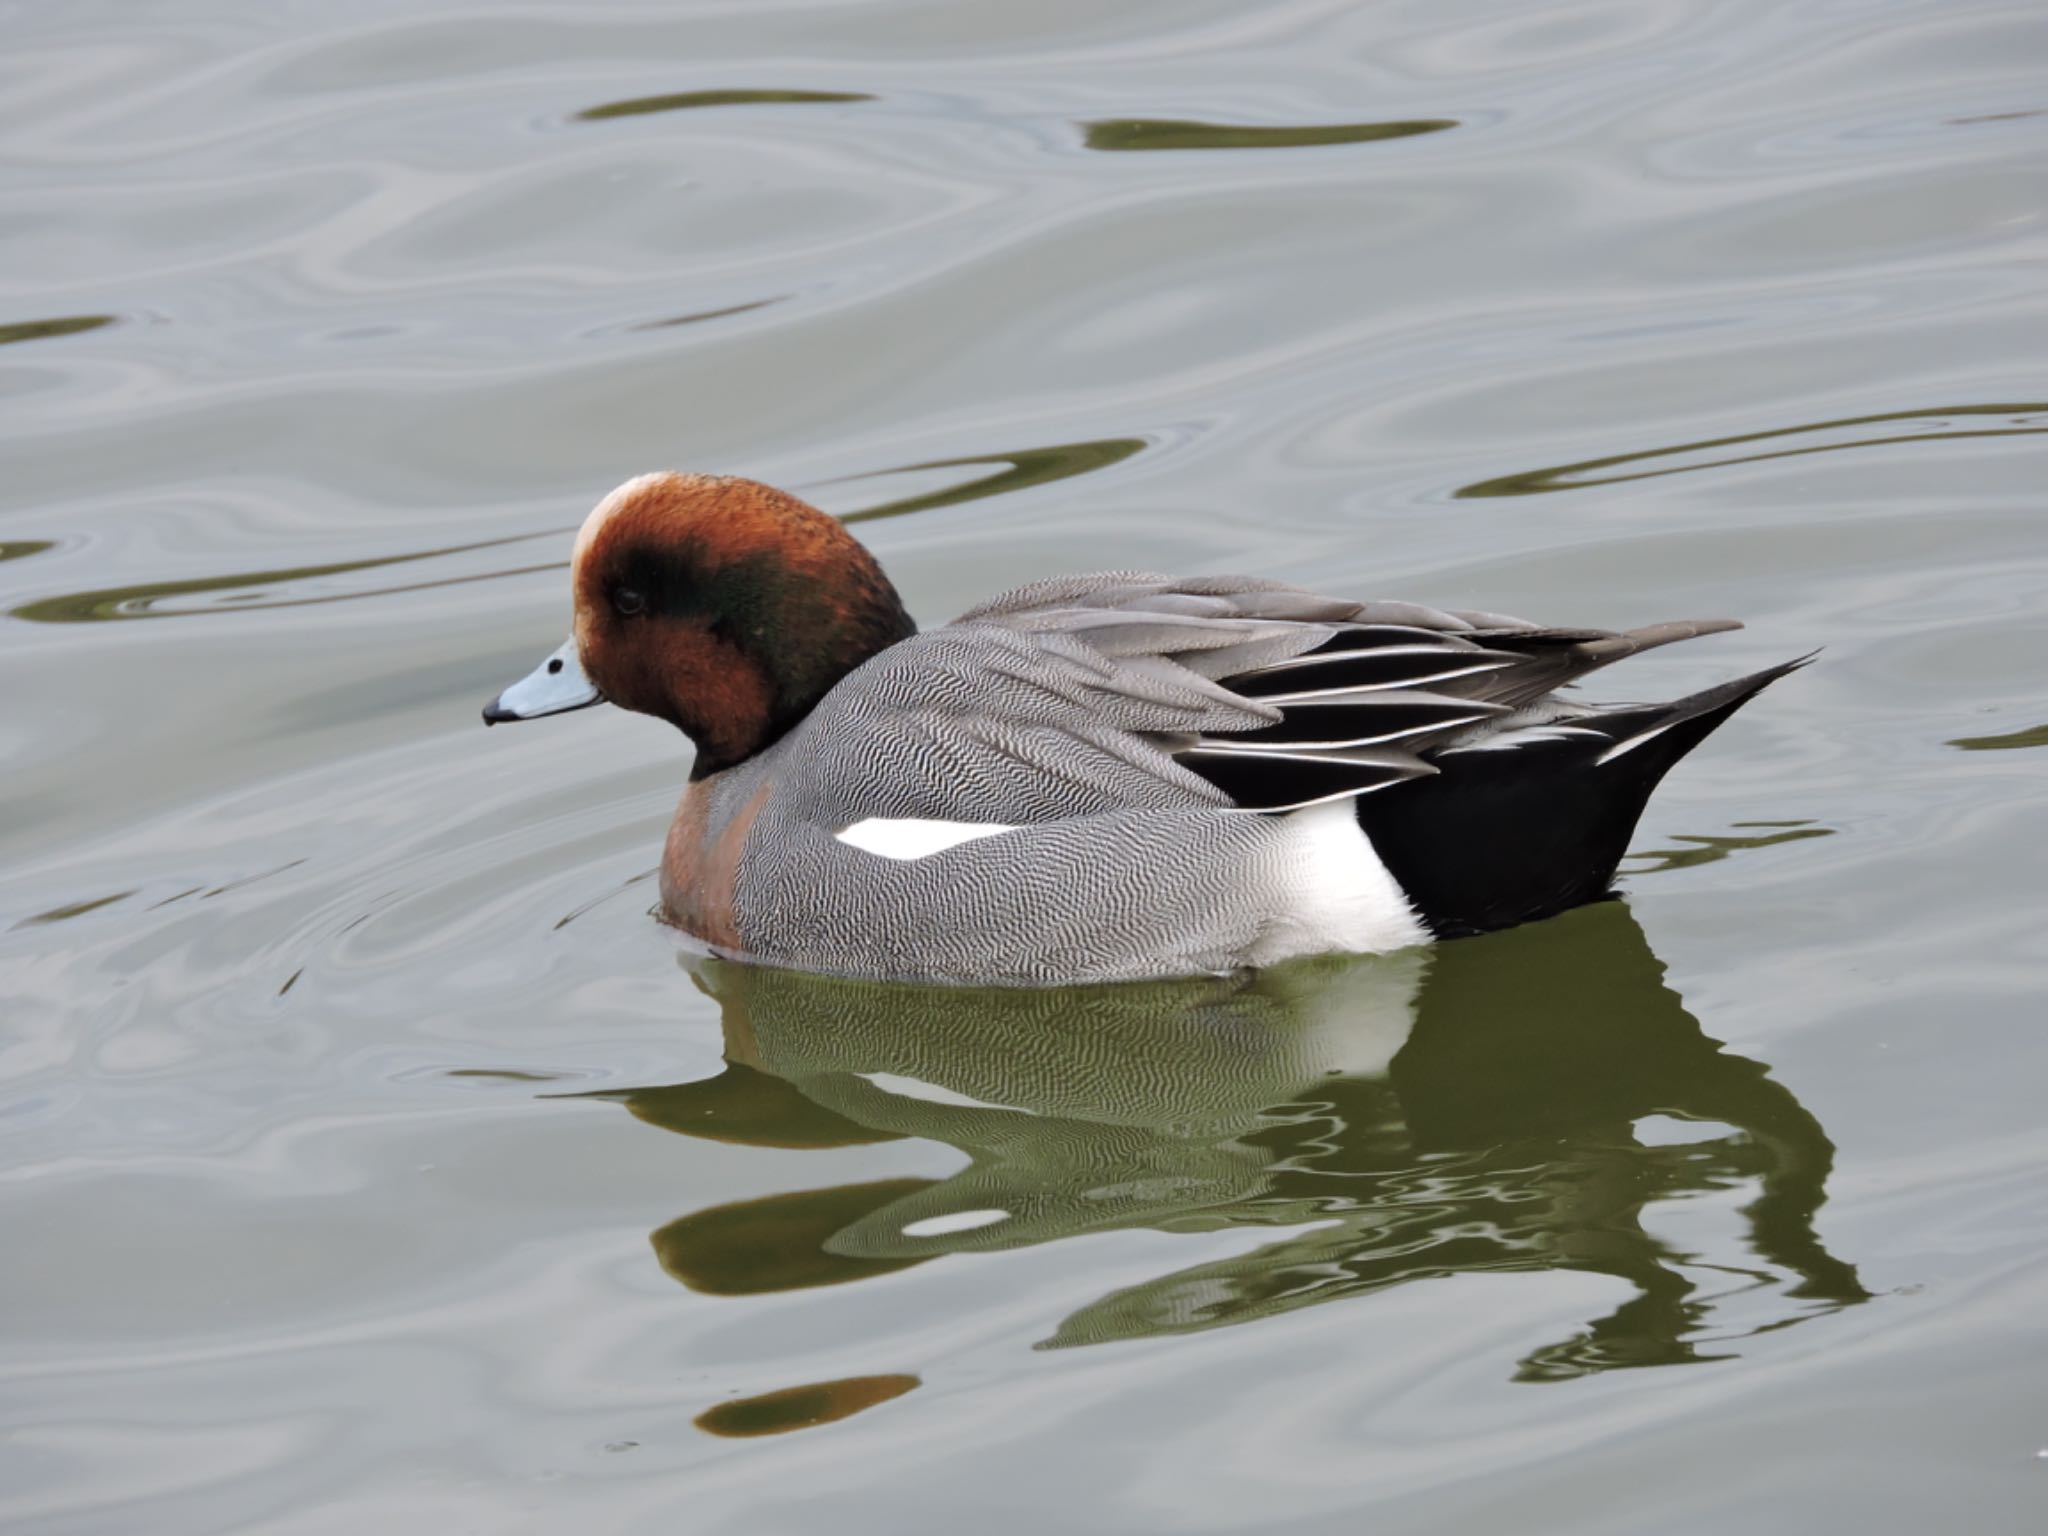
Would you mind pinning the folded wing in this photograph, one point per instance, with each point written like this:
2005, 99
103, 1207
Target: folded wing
1349, 696
1123, 690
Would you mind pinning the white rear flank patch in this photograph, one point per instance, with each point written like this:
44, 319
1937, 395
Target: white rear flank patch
1334, 895
913, 837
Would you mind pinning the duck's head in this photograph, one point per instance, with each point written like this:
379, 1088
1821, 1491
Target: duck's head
726, 607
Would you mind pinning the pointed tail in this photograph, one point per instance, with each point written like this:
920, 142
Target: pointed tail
1532, 822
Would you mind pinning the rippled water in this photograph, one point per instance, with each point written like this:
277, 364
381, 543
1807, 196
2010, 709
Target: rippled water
372, 1160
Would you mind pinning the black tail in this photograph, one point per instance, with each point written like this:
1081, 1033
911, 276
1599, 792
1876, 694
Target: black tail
1508, 833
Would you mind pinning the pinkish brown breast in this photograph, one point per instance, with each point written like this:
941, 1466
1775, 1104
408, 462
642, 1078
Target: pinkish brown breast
700, 865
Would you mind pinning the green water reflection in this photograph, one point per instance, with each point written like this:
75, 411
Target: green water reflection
1020, 469
1130, 133
2012, 741
1711, 850
1932, 425
248, 591
699, 316
684, 101
257, 589
42, 330
1470, 1109
823, 1402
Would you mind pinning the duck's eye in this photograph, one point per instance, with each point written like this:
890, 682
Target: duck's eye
628, 601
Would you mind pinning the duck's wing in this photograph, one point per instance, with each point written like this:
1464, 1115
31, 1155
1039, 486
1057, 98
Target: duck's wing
1307, 698
985, 723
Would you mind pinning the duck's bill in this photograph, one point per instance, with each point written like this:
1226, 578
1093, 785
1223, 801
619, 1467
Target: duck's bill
553, 687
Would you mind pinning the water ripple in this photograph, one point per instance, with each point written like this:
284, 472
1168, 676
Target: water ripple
1935, 425
38, 330
2035, 736
683, 101
701, 315
313, 977
1701, 849
255, 591
1022, 469
822, 1402
1145, 133
154, 600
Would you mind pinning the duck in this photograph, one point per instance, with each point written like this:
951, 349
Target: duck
1105, 777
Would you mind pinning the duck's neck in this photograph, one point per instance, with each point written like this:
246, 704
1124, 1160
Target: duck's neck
745, 686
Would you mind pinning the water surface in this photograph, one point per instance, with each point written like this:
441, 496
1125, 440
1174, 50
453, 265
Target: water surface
372, 1160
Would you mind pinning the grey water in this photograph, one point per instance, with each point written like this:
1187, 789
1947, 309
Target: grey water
371, 1160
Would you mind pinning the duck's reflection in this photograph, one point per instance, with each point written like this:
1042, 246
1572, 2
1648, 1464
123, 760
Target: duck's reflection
1473, 1108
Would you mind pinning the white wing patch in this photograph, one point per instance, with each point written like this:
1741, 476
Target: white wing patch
914, 837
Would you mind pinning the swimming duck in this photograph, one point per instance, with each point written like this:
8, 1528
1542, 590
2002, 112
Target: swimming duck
1091, 778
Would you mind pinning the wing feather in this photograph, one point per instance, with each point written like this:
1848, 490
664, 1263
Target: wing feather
1125, 689
1287, 781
